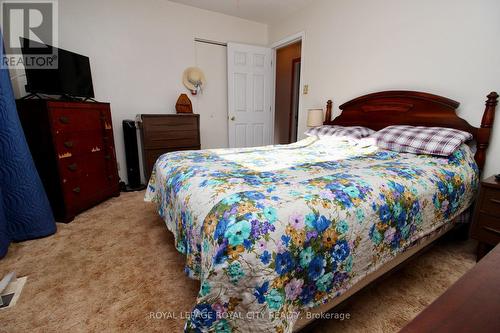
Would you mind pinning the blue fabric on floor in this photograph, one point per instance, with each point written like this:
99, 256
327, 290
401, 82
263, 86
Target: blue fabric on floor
26, 209
4, 237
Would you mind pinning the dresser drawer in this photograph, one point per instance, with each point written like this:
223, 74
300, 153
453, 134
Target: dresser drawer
69, 120
79, 143
74, 194
89, 182
172, 140
70, 168
487, 229
151, 155
152, 123
490, 202
84, 166
170, 131
80, 194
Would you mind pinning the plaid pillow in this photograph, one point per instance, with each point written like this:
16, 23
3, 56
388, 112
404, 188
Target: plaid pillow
353, 132
421, 140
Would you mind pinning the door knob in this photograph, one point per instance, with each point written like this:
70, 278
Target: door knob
233, 118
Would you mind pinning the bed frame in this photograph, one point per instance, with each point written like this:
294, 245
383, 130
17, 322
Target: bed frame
386, 108
382, 109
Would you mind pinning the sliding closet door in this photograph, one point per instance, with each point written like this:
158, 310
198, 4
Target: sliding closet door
212, 101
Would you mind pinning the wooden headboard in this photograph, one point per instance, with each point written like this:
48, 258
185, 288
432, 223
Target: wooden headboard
386, 108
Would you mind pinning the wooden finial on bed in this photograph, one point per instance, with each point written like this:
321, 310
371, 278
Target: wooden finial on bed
489, 112
484, 132
328, 115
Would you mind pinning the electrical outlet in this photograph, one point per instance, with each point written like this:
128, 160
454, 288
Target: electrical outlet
306, 89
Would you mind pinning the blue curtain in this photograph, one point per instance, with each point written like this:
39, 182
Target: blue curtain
25, 211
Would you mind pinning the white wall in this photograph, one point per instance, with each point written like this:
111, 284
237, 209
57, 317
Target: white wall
446, 47
139, 50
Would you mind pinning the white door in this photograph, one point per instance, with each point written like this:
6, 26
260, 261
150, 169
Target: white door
249, 72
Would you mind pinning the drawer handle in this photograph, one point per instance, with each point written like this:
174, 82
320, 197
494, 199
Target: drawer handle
495, 201
76, 190
64, 120
493, 230
108, 157
72, 167
110, 177
68, 144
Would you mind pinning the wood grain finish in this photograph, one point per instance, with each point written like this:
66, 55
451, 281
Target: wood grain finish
486, 225
472, 304
382, 109
284, 92
167, 133
73, 149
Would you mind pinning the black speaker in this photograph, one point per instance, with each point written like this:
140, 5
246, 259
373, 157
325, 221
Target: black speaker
132, 157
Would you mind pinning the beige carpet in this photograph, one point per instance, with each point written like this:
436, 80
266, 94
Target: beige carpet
115, 264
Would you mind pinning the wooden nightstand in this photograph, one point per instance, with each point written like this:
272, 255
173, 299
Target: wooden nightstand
486, 225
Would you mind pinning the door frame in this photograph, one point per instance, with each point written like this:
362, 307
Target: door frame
300, 36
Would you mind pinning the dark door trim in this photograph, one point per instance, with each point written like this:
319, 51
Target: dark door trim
293, 94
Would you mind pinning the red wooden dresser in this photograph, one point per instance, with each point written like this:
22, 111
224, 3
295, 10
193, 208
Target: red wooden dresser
73, 149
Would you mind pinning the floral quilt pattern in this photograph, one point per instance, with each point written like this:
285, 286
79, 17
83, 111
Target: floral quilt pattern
272, 231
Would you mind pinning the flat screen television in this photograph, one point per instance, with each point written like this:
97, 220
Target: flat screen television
72, 77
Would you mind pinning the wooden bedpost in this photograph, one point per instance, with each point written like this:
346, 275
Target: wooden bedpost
484, 132
328, 115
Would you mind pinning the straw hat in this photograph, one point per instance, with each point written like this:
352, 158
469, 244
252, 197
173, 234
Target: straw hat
193, 78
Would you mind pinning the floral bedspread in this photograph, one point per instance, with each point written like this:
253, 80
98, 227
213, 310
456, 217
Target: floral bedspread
272, 231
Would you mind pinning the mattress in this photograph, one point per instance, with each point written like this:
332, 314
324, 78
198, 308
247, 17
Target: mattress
273, 231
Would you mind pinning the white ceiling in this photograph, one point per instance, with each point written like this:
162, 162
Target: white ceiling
265, 11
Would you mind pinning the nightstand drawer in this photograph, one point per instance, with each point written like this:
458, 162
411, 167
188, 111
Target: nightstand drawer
490, 203
487, 229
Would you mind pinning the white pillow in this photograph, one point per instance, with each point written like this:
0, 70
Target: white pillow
352, 132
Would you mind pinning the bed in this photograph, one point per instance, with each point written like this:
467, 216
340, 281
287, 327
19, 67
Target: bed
275, 232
